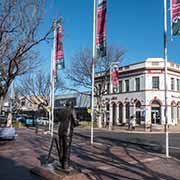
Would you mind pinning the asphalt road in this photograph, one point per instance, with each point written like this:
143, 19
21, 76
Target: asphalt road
150, 142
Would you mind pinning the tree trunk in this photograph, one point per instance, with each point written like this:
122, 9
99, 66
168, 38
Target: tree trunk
1, 103
9, 120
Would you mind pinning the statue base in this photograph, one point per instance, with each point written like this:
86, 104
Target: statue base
53, 171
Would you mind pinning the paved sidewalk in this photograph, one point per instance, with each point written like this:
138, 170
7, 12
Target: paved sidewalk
141, 129
103, 161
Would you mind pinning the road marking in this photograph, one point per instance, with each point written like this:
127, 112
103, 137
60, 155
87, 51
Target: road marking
144, 160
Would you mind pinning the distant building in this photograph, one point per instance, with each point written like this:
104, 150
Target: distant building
141, 93
80, 101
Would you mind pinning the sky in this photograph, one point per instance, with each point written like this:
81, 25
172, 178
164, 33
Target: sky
134, 25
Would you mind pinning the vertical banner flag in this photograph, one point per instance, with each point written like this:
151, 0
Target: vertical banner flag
101, 29
175, 17
58, 55
114, 78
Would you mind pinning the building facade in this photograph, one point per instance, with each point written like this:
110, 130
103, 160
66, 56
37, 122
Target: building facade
141, 94
81, 103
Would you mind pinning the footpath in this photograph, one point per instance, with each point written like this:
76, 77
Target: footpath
155, 129
103, 160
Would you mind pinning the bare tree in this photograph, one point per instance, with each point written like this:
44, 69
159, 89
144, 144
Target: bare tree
19, 34
80, 72
35, 88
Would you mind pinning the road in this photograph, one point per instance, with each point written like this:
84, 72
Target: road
150, 142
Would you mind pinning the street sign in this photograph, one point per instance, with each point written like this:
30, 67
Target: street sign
89, 110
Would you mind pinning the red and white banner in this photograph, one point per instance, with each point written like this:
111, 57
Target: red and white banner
115, 78
101, 29
175, 17
59, 52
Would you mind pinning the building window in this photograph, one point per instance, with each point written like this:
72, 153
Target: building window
99, 89
178, 84
108, 88
178, 112
127, 110
173, 112
172, 83
155, 82
23, 103
127, 85
120, 86
137, 80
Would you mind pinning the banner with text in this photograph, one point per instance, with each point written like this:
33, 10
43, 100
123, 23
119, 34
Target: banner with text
115, 78
101, 29
175, 17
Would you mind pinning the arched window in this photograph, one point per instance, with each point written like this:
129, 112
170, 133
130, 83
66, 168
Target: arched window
114, 113
178, 112
107, 106
120, 112
173, 112
155, 112
127, 110
138, 112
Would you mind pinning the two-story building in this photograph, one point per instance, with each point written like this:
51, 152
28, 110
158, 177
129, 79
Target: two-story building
141, 93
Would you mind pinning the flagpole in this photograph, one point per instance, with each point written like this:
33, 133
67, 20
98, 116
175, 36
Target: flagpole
93, 66
51, 92
165, 76
53, 80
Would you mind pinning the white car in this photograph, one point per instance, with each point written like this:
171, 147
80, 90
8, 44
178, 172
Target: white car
42, 121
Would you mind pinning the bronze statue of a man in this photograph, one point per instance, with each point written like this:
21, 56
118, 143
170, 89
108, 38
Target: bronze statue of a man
67, 121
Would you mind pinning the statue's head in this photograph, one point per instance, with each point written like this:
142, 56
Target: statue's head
69, 104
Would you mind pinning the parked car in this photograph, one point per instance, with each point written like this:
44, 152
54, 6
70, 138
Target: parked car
3, 120
29, 121
26, 120
21, 119
42, 121
7, 133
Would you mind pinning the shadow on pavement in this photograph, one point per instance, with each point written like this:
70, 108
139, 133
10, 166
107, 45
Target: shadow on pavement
115, 166
110, 159
10, 170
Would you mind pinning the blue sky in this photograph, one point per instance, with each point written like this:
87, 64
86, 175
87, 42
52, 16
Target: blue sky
134, 25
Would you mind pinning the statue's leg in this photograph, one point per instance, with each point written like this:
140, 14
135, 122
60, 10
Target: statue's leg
50, 149
66, 151
60, 149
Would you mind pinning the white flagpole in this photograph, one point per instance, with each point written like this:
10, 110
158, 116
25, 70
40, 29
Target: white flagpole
51, 92
53, 80
93, 66
165, 76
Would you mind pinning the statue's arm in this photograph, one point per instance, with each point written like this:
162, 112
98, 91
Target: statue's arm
76, 121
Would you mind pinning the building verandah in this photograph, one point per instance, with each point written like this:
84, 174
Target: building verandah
118, 113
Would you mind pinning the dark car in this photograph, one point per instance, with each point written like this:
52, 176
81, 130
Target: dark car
3, 120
